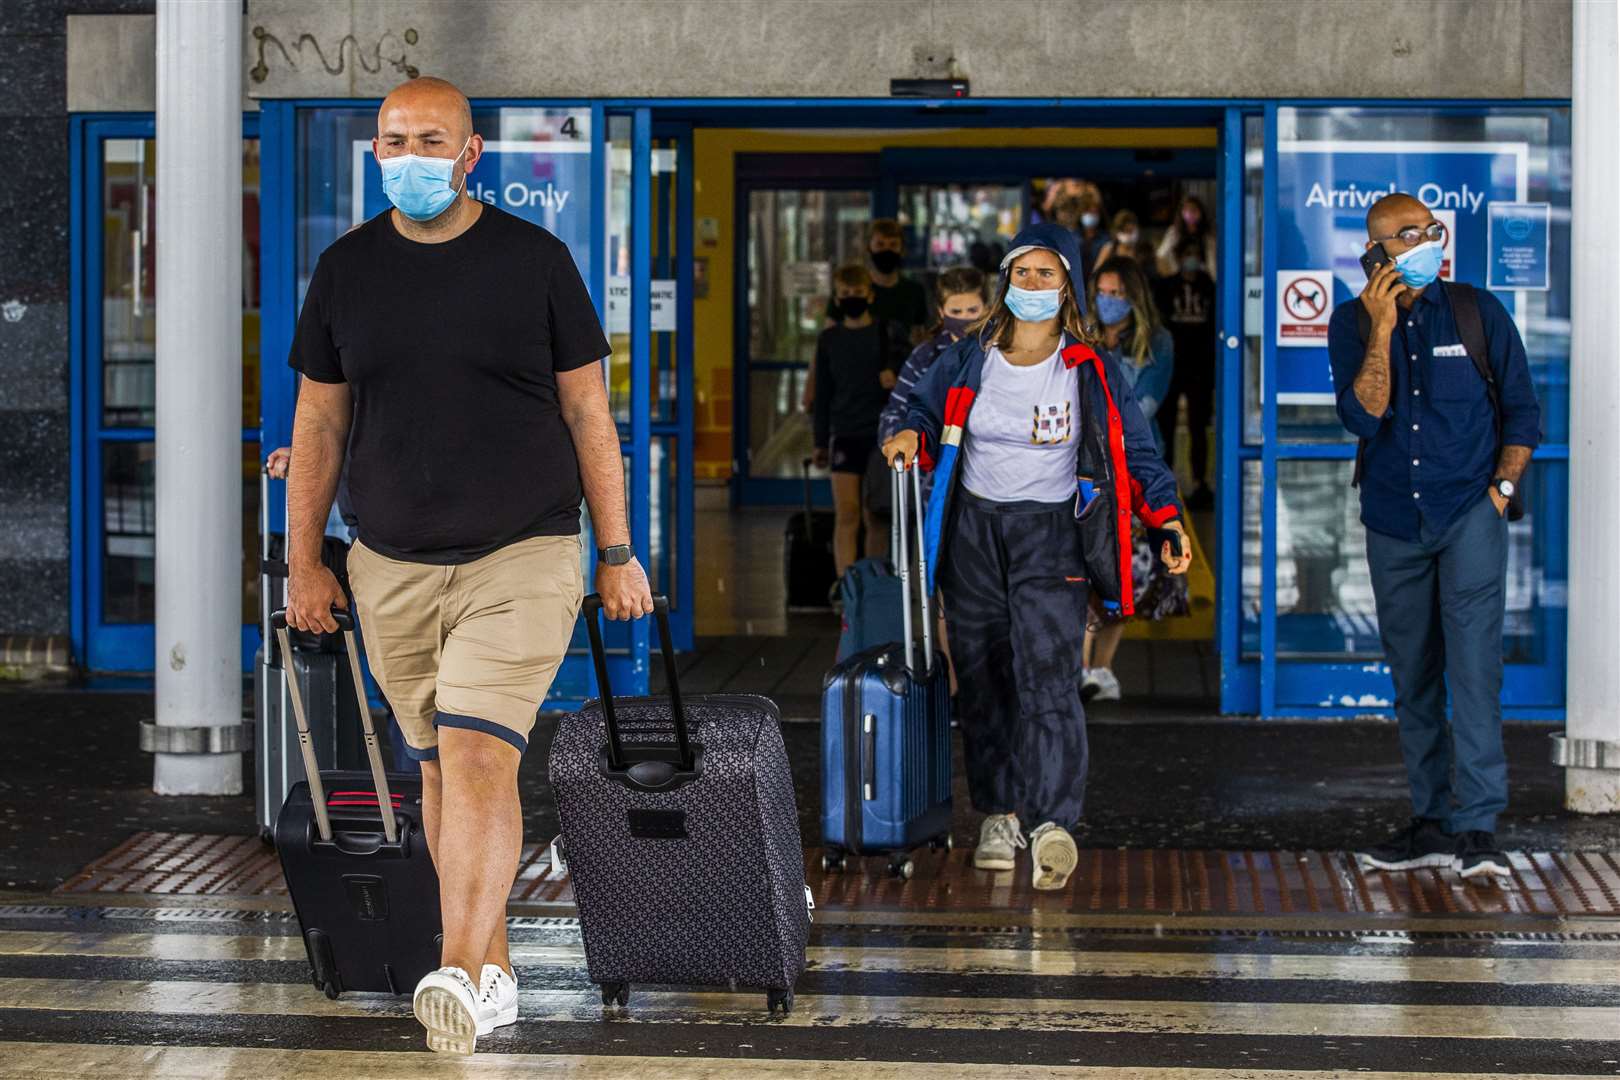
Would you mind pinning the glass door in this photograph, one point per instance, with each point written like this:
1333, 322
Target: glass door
793, 232
1309, 622
115, 347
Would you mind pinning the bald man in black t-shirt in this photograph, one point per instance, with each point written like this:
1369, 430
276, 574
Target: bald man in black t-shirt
452, 350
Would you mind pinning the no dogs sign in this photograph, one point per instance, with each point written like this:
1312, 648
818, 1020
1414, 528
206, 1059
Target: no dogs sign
1304, 306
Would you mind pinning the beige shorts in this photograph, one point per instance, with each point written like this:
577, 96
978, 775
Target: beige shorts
472, 646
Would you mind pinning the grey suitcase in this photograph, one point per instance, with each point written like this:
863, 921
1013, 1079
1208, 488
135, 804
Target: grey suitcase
682, 836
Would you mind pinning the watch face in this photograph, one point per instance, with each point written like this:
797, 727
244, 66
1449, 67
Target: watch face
1505, 487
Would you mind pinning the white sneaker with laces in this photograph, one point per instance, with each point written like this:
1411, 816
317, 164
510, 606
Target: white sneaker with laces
1054, 856
999, 841
1105, 682
497, 999
446, 1003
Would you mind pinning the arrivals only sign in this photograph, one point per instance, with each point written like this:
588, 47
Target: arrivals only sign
1324, 189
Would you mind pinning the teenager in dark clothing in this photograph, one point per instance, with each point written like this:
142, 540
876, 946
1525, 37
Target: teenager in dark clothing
959, 292
895, 297
856, 365
1023, 423
1187, 302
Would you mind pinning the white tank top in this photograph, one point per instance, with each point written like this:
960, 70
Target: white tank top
1020, 443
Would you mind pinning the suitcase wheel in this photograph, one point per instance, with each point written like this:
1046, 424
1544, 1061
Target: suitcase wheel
267, 838
833, 862
616, 993
942, 842
901, 868
779, 998
331, 990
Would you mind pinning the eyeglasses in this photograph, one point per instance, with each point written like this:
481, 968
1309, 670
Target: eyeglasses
1414, 235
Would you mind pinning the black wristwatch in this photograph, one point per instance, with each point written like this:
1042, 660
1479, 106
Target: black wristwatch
1504, 487
617, 555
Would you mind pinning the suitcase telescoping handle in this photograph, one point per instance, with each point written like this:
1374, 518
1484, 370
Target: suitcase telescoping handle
907, 503
306, 746
592, 610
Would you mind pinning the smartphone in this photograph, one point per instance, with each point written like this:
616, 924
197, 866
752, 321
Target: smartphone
1373, 258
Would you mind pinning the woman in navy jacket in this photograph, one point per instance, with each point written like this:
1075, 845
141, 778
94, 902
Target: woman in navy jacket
1039, 454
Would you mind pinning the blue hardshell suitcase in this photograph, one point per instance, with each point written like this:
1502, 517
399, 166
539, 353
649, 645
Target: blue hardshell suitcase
886, 732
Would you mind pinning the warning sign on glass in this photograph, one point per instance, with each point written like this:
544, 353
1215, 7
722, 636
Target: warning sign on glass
1304, 305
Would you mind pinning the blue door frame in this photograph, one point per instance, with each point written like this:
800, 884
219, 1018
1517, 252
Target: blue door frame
628, 645
1260, 683
1267, 684
99, 645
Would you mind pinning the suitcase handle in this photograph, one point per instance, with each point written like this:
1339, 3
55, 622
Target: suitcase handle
908, 503
306, 746
592, 610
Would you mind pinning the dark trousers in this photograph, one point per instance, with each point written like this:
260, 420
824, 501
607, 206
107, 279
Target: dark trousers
1017, 621
1440, 607
1200, 395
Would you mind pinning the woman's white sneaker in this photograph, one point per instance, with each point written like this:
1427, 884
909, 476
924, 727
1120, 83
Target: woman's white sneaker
999, 841
1054, 856
497, 999
446, 1002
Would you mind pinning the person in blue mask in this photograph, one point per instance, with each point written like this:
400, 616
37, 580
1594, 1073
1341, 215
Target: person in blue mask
451, 356
1432, 379
1039, 454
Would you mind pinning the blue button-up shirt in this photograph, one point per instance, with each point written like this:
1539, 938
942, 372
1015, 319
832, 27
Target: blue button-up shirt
1433, 452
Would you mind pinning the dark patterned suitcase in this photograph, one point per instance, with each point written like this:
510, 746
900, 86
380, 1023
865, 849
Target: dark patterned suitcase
681, 833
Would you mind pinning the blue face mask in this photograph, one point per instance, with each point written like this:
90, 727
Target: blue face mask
1029, 305
1421, 265
1112, 309
420, 186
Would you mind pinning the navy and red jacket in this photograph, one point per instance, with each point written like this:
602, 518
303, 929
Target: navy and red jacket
1116, 453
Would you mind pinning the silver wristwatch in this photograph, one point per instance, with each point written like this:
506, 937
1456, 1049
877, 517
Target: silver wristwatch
1504, 487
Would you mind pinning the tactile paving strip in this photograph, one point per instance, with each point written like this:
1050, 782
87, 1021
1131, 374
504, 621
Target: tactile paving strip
1107, 881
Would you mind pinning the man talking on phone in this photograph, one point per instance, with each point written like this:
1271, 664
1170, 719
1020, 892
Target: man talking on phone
1431, 377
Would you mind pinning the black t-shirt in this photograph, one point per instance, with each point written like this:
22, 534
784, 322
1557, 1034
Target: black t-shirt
1188, 308
905, 302
450, 351
849, 365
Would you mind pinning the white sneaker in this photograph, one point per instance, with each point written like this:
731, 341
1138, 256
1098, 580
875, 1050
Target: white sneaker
497, 999
999, 841
1054, 856
1099, 685
446, 1003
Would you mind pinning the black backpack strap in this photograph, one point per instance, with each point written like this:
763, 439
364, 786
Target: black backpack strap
1471, 328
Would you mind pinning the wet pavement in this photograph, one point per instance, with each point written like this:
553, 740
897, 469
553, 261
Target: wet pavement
1233, 939
73, 785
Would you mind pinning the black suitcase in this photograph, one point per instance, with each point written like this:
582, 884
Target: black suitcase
321, 666
362, 882
807, 549
682, 836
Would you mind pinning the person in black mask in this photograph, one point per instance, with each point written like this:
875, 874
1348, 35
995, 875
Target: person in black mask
857, 362
1188, 303
895, 296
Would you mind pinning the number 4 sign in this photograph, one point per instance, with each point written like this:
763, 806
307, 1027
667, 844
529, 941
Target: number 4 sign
1304, 306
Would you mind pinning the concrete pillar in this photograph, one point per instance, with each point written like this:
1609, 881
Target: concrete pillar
199, 392
1593, 709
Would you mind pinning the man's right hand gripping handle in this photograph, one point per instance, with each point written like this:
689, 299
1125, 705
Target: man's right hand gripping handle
312, 593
